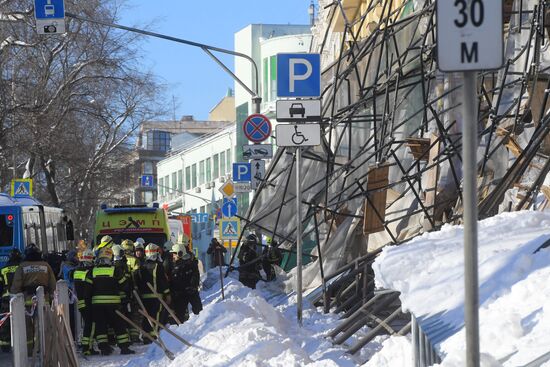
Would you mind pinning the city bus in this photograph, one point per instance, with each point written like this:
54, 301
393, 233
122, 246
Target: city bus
131, 222
25, 220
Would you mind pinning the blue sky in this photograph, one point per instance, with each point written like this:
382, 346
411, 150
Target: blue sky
195, 81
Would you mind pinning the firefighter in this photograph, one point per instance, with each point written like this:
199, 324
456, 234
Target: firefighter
152, 272
271, 256
121, 265
139, 251
249, 265
184, 284
82, 278
106, 282
32, 273
131, 261
6, 278
106, 241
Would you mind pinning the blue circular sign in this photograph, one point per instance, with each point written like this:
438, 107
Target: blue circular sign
257, 128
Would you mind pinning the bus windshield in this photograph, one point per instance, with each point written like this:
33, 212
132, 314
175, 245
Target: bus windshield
6, 230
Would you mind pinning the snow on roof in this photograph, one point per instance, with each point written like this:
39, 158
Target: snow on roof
514, 291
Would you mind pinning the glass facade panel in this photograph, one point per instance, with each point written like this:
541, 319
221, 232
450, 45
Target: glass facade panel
216, 171
167, 184
157, 140
180, 180
161, 186
174, 181
188, 178
228, 158
222, 164
201, 172
194, 175
208, 169
147, 168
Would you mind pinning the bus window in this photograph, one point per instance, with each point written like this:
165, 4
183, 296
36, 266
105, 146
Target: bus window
6, 230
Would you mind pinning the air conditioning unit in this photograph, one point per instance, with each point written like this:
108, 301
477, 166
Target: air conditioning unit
212, 184
208, 185
198, 190
222, 179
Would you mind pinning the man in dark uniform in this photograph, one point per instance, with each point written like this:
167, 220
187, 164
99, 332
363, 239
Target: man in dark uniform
82, 278
152, 271
6, 278
249, 264
217, 252
106, 283
271, 256
30, 274
184, 284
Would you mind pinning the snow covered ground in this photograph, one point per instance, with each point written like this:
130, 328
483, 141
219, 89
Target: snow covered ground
258, 327
514, 288
248, 328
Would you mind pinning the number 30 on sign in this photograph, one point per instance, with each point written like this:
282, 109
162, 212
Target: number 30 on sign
469, 35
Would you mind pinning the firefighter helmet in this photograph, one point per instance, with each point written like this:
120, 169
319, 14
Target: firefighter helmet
15, 256
32, 252
152, 252
140, 240
168, 245
178, 249
127, 246
105, 256
86, 256
252, 238
117, 252
105, 241
139, 246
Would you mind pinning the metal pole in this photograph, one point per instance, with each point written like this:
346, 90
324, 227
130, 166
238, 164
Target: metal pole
469, 163
298, 236
41, 321
18, 330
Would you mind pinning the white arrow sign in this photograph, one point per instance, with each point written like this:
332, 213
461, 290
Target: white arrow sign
258, 172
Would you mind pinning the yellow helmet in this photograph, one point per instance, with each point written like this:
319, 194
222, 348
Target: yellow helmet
127, 246
105, 241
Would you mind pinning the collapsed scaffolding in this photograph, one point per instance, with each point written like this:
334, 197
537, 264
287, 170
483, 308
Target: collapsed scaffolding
389, 167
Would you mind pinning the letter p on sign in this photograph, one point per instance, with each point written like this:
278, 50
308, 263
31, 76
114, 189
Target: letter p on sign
298, 75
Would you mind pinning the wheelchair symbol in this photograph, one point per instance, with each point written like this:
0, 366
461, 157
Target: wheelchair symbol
298, 138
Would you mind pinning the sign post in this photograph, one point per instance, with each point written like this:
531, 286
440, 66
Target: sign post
469, 38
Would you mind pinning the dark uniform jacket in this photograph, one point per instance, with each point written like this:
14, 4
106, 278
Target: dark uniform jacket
31, 274
249, 266
185, 276
151, 272
126, 286
83, 286
106, 284
6, 277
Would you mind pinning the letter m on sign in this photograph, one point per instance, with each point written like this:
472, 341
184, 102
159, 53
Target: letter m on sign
469, 54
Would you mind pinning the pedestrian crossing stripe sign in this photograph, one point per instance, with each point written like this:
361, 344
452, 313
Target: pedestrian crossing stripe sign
230, 228
21, 187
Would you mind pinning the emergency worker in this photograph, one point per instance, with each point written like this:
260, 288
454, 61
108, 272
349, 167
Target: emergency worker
6, 278
66, 270
271, 256
32, 273
82, 278
249, 265
139, 251
131, 261
152, 272
106, 241
184, 283
106, 282
167, 258
217, 252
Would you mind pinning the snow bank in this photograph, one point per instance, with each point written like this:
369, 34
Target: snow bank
249, 328
514, 289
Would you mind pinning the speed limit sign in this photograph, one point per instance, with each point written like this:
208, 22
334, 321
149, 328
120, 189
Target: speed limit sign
469, 35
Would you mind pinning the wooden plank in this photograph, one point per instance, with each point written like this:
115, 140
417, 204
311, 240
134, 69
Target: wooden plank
377, 188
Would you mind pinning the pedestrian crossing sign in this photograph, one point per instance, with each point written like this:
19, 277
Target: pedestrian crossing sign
230, 228
21, 187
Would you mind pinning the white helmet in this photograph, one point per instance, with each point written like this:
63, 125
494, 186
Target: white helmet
178, 249
152, 252
140, 241
117, 252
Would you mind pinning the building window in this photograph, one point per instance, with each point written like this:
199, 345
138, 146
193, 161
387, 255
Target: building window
216, 172
147, 168
266, 74
194, 175
208, 169
201, 172
161, 186
180, 180
157, 140
167, 184
222, 164
188, 178
148, 196
203, 208
228, 158
174, 181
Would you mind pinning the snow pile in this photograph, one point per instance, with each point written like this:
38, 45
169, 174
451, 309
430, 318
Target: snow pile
514, 289
249, 328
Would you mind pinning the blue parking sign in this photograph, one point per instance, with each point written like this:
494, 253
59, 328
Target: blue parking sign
242, 172
298, 75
